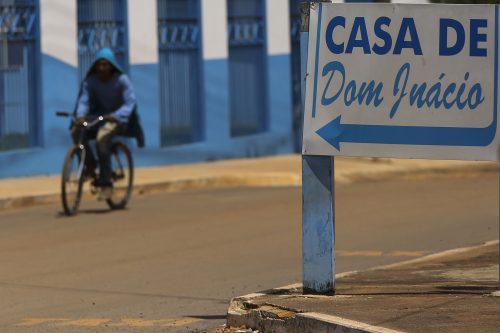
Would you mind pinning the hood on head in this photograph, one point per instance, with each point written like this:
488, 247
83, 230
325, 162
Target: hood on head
106, 54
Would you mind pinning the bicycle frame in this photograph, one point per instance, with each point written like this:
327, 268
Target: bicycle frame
86, 126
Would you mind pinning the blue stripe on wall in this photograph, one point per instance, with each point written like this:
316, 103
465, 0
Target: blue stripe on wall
280, 94
59, 91
146, 85
216, 96
31, 162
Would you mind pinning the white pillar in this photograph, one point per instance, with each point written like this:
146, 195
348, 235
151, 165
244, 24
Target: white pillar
278, 27
142, 31
279, 74
144, 66
214, 29
58, 30
215, 51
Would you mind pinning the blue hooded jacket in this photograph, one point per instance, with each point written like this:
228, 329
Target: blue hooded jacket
115, 97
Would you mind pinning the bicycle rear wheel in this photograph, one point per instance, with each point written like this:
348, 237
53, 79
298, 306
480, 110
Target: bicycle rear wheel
72, 181
122, 167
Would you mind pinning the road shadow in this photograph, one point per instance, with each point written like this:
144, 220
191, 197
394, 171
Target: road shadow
207, 317
138, 294
92, 211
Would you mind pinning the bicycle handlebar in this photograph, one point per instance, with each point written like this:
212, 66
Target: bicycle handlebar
88, 124
93, 122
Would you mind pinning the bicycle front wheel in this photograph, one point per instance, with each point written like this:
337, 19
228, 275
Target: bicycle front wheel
72, 181
122, 175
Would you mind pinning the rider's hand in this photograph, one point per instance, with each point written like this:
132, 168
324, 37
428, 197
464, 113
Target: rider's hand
110, 118
79, 121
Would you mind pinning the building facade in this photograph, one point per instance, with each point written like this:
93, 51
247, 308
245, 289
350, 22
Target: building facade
214, 79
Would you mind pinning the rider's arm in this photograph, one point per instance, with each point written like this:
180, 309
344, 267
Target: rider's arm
83, 102
123, 113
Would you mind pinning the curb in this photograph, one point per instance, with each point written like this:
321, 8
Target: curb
248, 179
244, 312
178, 185
28, 201
270, 318
223, 181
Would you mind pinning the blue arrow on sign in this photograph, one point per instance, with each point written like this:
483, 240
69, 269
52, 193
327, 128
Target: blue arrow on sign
335, 132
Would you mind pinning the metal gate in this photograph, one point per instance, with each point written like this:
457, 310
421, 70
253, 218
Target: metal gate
247, 66
19, 113
295, 64
180, 80
102, 23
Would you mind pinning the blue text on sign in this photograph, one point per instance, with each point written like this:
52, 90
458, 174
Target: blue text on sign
475, 37
407, 37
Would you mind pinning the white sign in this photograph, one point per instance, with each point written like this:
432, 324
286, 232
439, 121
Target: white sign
411, 81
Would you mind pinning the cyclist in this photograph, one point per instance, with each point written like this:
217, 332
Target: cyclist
106, 91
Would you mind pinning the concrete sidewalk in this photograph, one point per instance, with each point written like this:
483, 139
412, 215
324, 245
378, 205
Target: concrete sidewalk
454, 291
269, 171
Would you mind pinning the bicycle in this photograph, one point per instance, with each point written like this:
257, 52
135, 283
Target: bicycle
76, 171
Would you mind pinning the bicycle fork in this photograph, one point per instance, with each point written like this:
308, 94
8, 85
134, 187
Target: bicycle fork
83, 156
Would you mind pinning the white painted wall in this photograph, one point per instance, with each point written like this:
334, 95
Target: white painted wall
278, 27
142, 31
58, 25
214, 29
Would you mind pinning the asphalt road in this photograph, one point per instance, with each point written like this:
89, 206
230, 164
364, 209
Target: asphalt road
172, 262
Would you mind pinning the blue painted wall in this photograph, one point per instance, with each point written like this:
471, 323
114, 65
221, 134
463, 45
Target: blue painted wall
59, 86
280, 94
145, 80
216, 97
59, 90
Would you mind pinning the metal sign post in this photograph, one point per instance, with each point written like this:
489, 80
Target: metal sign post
318, 197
